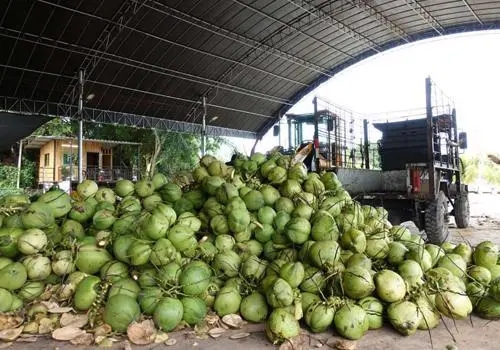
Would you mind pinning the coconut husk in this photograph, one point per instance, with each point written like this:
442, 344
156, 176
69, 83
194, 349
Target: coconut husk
143, 333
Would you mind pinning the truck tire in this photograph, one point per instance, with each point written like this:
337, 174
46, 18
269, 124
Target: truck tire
462, 210
436, 220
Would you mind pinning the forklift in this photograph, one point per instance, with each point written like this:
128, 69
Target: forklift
328, 138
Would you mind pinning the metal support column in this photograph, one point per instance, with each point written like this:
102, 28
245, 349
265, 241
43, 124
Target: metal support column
316, 142
19, 161
336, 142
289, 132
204, 131
429, 126
253, 149
55, 177
71, 162
138, 173
80, 127
455, 152
366, 143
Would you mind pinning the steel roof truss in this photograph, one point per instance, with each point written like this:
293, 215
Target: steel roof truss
319, 14
371, 10
425, 15
33, 107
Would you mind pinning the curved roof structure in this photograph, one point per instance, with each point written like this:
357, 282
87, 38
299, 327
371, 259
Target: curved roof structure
152, 62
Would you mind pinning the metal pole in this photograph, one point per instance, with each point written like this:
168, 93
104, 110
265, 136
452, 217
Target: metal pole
55, 178
429, 125
80, 127
204, 104
316, 143
279, 131
138, 173
254, 146
366, 143
71, 161
289, 135
336, 141
455, 152
19, 160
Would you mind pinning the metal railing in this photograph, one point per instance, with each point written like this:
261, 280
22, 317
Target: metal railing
98, 174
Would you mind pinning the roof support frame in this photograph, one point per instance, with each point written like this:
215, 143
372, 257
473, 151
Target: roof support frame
33, 49
48, 60
119, 71
292, 27
168, 41
241, 39
128, 9
468, 6
67, 59
142, 91
81, 50
425, 15
172, 59
385, 21
327, 18
285, 30
15, 44
5, 13
58, 110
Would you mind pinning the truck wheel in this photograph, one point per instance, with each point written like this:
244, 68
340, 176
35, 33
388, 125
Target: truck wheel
436, 220
462, 210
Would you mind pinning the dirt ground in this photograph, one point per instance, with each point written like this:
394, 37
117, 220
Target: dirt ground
474, 333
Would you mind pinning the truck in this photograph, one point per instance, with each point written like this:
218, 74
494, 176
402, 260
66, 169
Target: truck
413, 170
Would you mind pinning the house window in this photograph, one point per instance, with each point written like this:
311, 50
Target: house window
46, 160
68, 159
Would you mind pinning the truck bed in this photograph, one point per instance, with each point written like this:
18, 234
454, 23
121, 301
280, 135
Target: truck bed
362, 181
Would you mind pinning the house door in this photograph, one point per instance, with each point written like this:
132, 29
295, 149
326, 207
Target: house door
92, 165
92, 159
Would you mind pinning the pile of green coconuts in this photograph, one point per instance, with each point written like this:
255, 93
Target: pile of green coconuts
263, 238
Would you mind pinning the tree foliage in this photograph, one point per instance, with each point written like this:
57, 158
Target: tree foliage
470, 168
58, 127
8, 175
478, 167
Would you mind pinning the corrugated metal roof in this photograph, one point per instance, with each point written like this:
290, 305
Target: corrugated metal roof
36, 142
252, 59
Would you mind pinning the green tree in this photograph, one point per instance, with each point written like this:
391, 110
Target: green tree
8, 175
491, 171
58, 127
161, 151
470, 168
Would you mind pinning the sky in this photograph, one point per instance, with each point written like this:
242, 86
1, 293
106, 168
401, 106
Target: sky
465, 66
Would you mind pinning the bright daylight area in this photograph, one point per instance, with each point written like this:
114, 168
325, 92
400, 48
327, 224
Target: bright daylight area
392, 85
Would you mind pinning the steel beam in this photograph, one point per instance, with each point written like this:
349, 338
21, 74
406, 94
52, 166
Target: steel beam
425, 15
147, 67
51, 109
465, 2
382, 19
171, 97
271, 40
241, 39
19, 164
122, 16
168, 41
80, 126
329, 19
